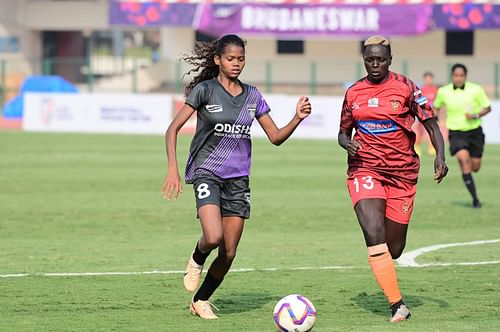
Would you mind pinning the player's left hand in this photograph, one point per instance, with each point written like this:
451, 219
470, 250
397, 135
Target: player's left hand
303, 108
440, 170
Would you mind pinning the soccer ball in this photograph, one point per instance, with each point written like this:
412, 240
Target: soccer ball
294, 313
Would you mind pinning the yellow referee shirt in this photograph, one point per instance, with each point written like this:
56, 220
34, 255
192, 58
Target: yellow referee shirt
458, 102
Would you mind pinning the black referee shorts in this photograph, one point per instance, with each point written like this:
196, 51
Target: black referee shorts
231, 195
472, 141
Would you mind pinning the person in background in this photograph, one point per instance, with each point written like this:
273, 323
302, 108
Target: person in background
465, 103
429, 90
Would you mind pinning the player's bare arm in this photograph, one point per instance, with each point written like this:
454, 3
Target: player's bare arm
440, 167
172, 186
279, 135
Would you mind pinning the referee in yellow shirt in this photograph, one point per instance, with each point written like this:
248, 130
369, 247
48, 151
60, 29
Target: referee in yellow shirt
465, 103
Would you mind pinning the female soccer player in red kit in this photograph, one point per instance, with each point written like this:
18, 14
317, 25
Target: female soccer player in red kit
382, 164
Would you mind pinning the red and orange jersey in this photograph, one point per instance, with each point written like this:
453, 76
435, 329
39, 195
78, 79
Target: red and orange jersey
382, 115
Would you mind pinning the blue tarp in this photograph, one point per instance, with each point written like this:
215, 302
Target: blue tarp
14, 108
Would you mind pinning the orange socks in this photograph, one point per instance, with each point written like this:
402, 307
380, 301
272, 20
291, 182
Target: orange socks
384, 271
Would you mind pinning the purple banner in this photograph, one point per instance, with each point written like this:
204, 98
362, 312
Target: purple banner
153, 13
300, 21
466, 16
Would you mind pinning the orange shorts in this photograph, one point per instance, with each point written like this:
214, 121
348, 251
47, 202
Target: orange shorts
398, 195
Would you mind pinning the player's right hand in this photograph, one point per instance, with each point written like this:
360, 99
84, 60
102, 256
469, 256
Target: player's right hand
172, 186
352, 147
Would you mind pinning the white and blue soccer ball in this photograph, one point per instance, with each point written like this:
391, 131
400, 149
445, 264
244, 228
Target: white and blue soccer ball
294, 313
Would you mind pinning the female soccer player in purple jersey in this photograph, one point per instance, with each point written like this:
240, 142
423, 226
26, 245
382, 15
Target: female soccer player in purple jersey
218, 165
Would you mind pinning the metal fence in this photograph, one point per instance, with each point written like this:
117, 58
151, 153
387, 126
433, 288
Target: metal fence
293, 75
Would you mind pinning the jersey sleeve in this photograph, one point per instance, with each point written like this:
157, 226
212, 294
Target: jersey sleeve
482, 98
346, 119
439, 101
199, 96
262, 107
418, 103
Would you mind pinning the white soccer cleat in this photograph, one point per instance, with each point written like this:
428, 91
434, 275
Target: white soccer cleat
192, 276
202, 309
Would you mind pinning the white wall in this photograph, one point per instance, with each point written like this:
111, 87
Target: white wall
64, 15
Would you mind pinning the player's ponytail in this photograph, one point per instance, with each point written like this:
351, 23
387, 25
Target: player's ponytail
202, 59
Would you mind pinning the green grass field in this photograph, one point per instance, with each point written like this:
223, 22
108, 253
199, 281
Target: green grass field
92, 203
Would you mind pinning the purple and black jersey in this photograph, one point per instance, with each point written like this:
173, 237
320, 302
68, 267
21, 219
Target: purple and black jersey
222, 144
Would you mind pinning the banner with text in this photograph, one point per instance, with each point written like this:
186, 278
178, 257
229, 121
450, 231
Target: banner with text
97, 113
306, 20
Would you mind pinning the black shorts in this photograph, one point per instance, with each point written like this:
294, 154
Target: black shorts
472, 140
231, 195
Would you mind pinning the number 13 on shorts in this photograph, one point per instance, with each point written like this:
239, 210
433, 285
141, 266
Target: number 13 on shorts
366, 183
364, 186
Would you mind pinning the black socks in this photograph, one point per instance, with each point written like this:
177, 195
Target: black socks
469, 183
208, 287
198, 256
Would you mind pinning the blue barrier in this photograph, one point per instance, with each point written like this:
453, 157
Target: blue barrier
14, 108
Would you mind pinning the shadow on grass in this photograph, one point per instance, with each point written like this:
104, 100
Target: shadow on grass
464, 203
377, 303
243, 302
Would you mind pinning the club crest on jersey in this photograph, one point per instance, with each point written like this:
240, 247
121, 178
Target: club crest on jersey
251, 110
395, 104
373, 102
355, 106
214, 108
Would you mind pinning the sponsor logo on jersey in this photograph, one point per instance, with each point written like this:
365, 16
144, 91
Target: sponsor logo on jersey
214, 108
226, 128
373, 102
395, 104
377, 127
251, 110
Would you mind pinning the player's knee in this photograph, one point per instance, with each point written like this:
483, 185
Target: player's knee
375, 234
476, 169
213, 240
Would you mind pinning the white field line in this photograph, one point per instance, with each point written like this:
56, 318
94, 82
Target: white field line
409, 259
157, 272
406, 260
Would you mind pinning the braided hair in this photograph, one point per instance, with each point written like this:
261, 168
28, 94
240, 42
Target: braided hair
202, 59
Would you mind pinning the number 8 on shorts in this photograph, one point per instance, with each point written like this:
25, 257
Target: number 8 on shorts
202, 191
